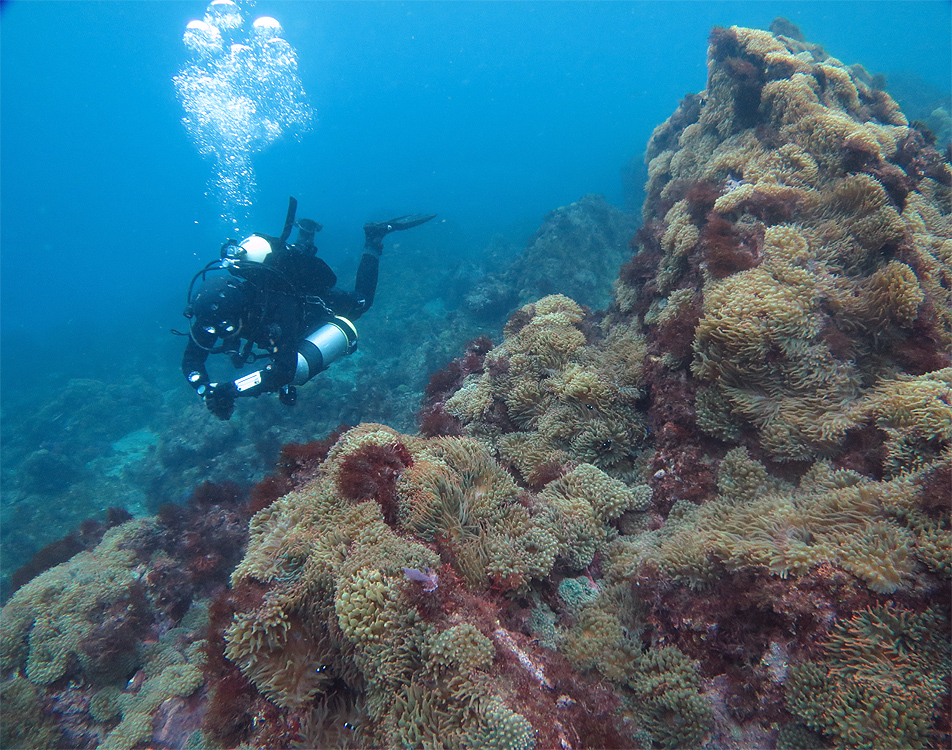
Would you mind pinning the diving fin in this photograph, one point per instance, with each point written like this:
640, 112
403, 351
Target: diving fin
409, 221
289, 220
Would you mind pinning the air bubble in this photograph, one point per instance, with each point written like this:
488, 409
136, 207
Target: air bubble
241, 93
224, 14
266, 27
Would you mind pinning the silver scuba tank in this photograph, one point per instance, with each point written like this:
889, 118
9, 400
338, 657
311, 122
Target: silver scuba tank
330, 342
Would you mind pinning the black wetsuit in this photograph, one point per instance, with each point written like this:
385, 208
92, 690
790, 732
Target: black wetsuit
295, 294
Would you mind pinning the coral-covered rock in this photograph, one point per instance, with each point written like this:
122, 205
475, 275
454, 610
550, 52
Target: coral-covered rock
559, 391
782, 198
792, 282
416, 617
46, 621
880, 681
787, 346
107, 648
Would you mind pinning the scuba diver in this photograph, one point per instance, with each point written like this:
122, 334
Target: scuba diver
266, 299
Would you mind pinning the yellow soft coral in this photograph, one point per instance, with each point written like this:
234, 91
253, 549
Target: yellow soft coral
832, 516
570, 400
916, 415
45, 620
880, 682
461, 646
361, 605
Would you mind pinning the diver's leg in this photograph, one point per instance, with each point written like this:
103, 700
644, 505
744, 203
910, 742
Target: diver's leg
366, 285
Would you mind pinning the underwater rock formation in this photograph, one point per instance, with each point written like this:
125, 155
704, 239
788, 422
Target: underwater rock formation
789, 315
799, 228
395, 582
793, 280
716, 514
576, 250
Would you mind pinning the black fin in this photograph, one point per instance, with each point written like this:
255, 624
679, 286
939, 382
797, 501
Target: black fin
289, 221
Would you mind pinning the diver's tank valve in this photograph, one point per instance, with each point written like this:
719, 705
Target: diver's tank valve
330, 342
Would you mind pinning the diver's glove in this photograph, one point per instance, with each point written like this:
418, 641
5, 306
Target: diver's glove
374, 233
220, 399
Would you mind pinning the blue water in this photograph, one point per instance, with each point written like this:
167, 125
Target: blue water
489, 113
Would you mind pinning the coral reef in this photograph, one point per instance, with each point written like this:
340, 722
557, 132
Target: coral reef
107, 648
833, 516
345, 609
788, 314
84, 621
792, 282
716, 514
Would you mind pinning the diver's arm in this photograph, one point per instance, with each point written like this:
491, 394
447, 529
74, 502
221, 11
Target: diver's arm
193, 364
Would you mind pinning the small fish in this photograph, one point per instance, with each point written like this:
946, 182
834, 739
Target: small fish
427, 577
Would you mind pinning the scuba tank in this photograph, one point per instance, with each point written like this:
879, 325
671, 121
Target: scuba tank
330, 342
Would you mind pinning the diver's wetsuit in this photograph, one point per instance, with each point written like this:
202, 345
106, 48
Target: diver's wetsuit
294, 295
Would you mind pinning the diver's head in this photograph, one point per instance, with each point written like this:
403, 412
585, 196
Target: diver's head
222, 306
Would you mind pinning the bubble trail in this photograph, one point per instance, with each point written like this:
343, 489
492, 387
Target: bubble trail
240, 92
